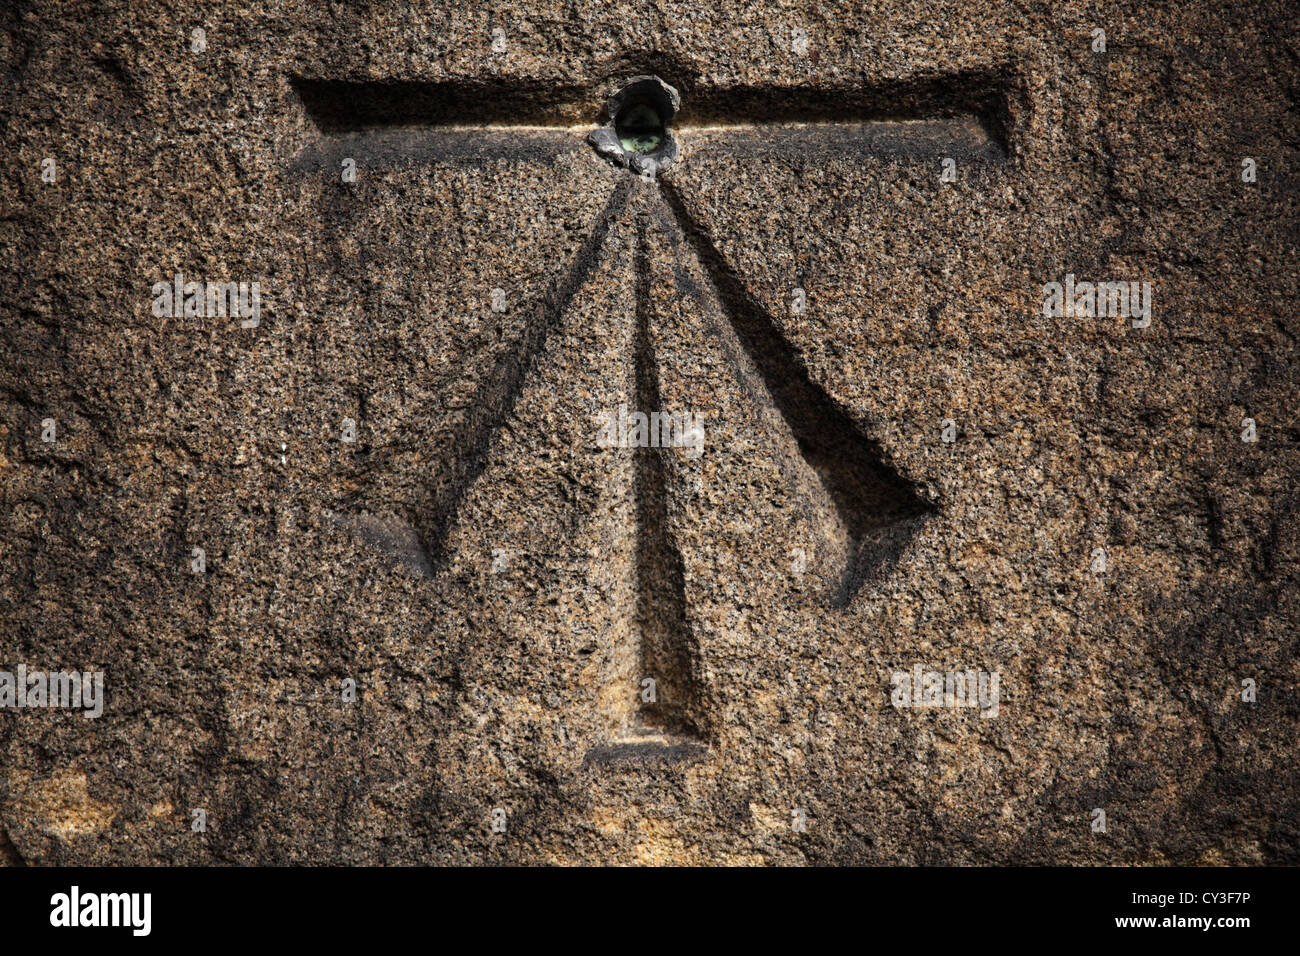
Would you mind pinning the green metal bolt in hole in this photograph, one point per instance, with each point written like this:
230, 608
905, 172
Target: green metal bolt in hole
640, 128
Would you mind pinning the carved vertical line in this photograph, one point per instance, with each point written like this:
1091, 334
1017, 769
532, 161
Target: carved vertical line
666, 653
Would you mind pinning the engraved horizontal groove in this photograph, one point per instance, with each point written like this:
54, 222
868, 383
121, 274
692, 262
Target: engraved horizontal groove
971, 109
972, 103
932, 97
337, 106
964, 137
407, 146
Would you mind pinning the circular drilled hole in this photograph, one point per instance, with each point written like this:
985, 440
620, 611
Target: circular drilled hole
643, 117
640, 128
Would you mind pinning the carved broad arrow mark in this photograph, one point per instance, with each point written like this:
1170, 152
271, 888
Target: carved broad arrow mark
686, 297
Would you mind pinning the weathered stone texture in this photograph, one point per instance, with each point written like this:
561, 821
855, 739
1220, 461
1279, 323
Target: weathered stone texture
485, 686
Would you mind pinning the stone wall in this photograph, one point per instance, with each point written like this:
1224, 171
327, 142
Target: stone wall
429, 595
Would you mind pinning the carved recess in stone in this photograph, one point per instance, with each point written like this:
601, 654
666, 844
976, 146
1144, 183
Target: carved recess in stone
645, 126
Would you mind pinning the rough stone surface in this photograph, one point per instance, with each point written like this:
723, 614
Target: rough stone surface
486, 572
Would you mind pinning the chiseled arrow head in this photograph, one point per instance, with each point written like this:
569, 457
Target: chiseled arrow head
675, 540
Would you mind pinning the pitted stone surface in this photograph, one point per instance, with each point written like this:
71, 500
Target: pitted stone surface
480, 567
